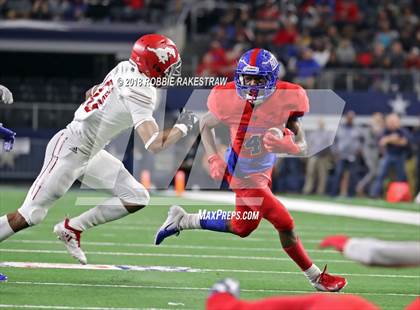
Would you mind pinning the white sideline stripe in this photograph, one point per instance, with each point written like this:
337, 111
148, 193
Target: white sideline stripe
306, 228
70, 307
35, 265
263, 231
322, 207
263, 258
148, 245
181, 288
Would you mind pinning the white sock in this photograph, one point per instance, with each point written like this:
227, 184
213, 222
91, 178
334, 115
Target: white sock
312, 273
111, 210
5, 230
190, 221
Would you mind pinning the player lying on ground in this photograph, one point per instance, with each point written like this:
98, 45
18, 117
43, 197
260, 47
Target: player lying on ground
224, 295
77, 151
374, 252
7, 135
250, 106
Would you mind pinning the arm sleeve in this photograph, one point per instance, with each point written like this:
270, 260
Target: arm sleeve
376, 252
140, 102
300, 104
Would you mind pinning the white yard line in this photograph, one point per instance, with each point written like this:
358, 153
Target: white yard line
321, 207
9, 306
193, 256
263, 231
183, 246
33, 265
40, 265
300, 273
181, 288
140, 221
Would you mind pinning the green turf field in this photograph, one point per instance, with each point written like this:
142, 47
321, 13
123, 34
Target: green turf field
257, 261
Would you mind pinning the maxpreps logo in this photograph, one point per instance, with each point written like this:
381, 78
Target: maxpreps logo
163, 53
228, 215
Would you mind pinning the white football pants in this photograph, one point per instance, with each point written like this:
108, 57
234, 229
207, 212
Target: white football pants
376, 252
64, 164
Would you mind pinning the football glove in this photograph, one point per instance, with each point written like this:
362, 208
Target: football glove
8, 144
5, 95
228, 285
9, 138
186, 121
337, 242
217, 167
274, 144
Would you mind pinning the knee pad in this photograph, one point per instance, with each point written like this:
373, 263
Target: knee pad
137, 196
33, 215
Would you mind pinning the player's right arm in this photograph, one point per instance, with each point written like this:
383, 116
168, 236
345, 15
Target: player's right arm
293, 141
156, 140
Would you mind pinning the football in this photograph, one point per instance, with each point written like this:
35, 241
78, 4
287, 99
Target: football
276, 131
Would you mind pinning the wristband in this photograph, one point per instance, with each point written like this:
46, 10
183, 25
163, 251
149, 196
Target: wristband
183, 128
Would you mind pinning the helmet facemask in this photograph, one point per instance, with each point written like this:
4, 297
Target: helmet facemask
173, 70
256, 87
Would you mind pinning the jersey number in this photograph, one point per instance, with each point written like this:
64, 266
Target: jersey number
98, 97
254, 144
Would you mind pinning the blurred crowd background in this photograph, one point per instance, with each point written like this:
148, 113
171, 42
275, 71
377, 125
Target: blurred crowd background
362, 162
366, 51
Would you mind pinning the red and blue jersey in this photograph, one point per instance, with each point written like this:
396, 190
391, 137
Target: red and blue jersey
248, 124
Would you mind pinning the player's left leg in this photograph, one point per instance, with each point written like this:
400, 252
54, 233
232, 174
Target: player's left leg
60, 169
275, 212
129, 196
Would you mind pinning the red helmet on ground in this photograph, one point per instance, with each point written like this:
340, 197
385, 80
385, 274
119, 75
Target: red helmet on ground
156, 56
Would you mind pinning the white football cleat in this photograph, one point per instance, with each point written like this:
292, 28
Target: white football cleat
71, 240
329, 283
171, 225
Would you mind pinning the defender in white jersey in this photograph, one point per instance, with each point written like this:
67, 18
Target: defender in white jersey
76, 152
375, 252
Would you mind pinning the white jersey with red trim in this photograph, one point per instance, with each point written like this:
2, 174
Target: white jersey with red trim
118, 103
370, 251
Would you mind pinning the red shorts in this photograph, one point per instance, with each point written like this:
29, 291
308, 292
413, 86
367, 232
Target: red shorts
254, 194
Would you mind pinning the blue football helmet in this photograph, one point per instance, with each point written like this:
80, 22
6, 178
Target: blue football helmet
257, 62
